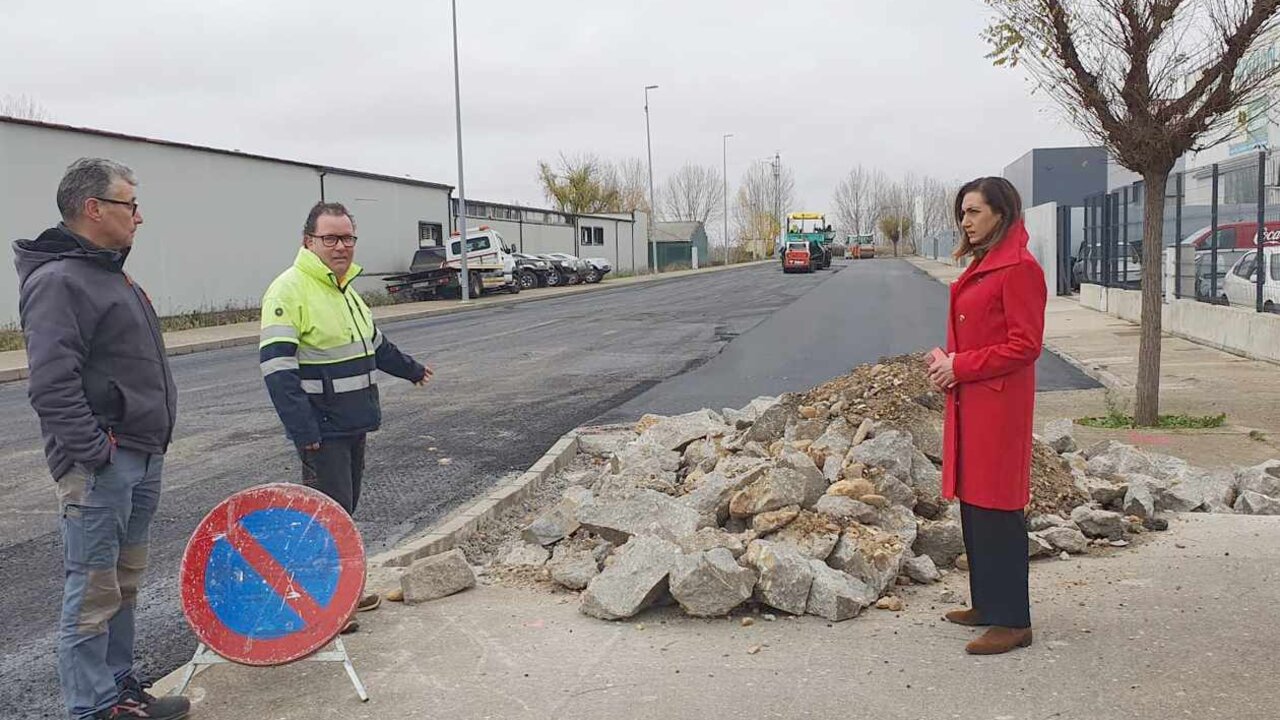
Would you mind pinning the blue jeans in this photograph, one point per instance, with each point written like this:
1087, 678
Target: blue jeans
106, 521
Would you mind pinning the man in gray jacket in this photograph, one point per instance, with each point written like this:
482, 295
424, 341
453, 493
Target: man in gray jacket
101, 386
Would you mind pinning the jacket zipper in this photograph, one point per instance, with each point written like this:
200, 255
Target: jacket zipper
356, 323
158, 339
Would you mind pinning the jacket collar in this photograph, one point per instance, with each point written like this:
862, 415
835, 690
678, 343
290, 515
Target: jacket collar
1005, 253
310, 264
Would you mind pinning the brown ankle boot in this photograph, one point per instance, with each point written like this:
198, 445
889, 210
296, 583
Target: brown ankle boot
999, 640
968, 616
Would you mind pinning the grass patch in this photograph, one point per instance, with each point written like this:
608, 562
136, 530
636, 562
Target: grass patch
10, 337
1257, 435
1118, 421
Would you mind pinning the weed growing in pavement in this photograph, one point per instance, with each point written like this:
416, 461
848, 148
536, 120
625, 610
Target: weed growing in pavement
1115, 421
1257, 435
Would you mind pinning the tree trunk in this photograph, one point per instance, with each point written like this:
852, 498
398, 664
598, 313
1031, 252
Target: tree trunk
1147, 408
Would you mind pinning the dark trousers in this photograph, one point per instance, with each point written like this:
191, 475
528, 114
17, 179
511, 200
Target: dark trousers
996, 542
336, 469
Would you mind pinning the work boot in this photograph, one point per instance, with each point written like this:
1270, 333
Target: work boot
136, 702
999, 640
968, 616
350, 627
369, 602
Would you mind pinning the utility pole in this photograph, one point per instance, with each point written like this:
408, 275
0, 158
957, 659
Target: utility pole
464, 278
777, 195
653, 208
724, 176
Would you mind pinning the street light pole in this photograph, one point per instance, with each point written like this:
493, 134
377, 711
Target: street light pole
724, 176
653, 208
464, 279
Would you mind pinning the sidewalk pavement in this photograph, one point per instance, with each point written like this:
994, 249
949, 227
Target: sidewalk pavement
1177, 627
1194, 379
13, 363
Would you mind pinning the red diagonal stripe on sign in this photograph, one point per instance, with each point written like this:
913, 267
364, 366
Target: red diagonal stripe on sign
278, 579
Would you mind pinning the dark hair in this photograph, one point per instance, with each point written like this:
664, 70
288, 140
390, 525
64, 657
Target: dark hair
1004, 200
88, 178
325, 208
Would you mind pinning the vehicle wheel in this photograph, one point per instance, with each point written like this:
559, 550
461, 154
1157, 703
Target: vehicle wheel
1223, 300
593, 276
573, 279
477, 287
554, 278
514, 287
527, 280
1268, 306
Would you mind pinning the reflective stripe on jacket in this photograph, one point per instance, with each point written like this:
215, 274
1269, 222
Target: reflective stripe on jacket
319, 350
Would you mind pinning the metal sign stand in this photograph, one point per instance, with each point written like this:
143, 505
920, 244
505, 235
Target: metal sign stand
205, 656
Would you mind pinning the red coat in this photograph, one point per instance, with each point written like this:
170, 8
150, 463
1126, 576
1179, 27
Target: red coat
995, 329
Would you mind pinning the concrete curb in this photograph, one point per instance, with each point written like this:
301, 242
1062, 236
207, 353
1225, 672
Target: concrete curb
251, 338
465, 522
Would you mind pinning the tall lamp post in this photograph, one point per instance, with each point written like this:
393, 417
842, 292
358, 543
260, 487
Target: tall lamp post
724, 176
464, 278
653, 208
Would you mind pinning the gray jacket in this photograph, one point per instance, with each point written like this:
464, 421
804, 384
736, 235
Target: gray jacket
99, 373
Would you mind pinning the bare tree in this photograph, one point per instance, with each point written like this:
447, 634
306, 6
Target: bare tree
758, 209
853, 201
23, 107
633, 185
693, 194
580, 184
1150, 79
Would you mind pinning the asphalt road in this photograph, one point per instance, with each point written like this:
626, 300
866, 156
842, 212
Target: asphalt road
509, 381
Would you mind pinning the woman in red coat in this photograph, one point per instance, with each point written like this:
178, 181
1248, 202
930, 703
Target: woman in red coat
994, 336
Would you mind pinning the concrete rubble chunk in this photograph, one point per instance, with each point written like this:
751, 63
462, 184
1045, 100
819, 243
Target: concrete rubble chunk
746, 416
891, 450
519, 553
711, 538
812, 534
815, 482
437, 576
1139, 501
701, 455
1060, 435
941, 540
897, 520
560, 521
1253, 503
710, 499
1044, 522
633, 581
870, 555
619, 516
573, 567
785, 575
604, 442
1263, 479
855, 488
779, 488
926, 479
921, 569
845, 509
1097, 523
836, 596
711, 583
1199, 489
643, 453
837, 439
1065, 539
772, 423
800, 430
1037, 546
863, 432
1118, 459
676, 432
1104, 492
774, 520
832, 468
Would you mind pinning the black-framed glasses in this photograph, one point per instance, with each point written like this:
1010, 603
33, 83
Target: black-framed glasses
333, 240
131, 204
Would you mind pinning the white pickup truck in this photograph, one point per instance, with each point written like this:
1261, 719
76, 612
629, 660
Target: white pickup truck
436, 271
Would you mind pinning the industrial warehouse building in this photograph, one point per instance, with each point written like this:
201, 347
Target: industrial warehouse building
220, 224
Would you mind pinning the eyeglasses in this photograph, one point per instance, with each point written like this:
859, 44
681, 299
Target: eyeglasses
131, 204
333, 240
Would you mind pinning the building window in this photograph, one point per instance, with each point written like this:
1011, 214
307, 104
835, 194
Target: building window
504, 213
430, 234
592, 235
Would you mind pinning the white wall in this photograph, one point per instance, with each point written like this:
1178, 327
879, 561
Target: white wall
216, 227
1042, 226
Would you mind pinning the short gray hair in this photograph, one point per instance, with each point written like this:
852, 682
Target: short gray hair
87, 178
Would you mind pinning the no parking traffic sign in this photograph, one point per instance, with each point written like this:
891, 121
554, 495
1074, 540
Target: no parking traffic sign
271, 574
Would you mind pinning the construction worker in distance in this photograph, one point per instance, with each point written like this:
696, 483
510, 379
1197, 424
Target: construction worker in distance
319, 353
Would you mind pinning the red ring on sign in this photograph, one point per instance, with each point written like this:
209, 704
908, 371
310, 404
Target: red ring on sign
323, 627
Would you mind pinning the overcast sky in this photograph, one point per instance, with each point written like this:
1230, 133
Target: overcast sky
896, 84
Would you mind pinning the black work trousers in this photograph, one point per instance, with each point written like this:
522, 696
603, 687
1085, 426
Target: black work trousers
336, 469
996, 542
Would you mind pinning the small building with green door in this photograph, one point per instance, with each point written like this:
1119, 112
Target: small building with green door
675, 242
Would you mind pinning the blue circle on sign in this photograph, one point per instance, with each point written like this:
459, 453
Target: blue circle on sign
240, 596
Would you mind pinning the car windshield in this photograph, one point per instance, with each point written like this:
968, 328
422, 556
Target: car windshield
797, 247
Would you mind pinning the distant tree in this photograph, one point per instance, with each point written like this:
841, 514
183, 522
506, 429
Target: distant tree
759, 205
633, 185
895, 227
581, 184
692, 194
23, 107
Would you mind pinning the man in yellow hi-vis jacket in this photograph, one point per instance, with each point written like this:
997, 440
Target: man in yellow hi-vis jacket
320, 351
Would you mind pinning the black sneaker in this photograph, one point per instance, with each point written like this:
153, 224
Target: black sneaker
136, 702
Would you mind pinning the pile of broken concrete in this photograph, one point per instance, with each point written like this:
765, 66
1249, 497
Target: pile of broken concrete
821, 503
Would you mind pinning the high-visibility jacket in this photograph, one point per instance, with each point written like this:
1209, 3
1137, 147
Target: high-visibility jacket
320, 351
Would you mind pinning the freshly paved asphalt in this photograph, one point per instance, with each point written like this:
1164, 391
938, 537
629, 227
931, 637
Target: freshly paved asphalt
509, 381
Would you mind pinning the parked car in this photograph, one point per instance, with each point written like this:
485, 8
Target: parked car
597, 268
1240, 284
533, 270
436, 271
1233, 236
1088, 267
1208, 287
566, 269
